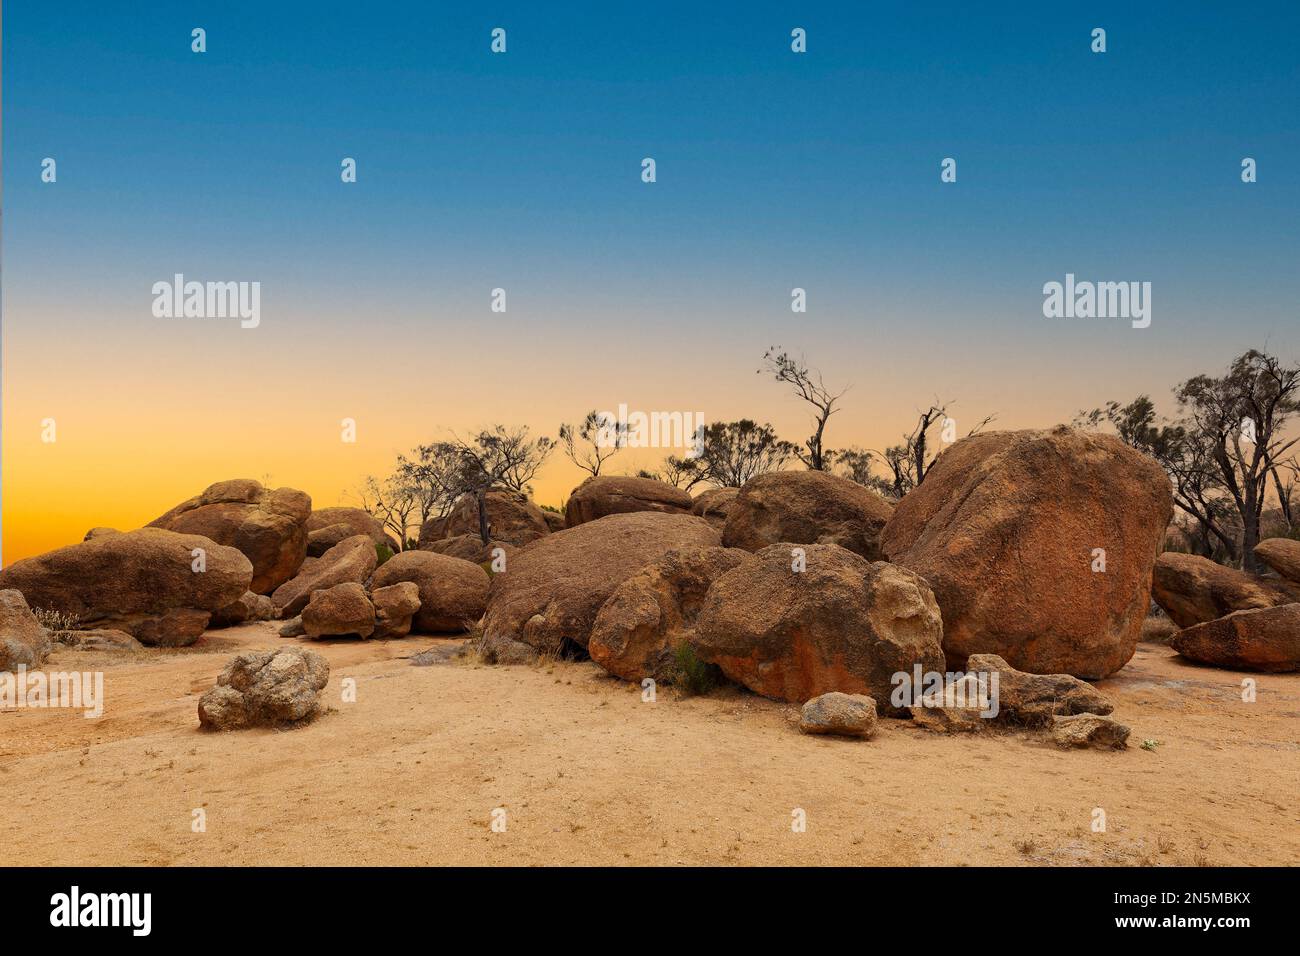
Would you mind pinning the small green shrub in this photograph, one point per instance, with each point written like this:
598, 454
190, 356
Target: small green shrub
382, 551
692, 675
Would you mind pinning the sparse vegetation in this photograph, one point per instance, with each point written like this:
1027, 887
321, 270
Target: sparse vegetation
692, 675
55, 621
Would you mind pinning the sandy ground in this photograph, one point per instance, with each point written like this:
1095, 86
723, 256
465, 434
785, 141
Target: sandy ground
587, 773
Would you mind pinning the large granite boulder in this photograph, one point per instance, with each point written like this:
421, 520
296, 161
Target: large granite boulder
1265, 639
352, 559
267, 524
343, 610
452, 591
146, 582
1039, 547
639, 628
623, 494
841, 624
470, 547
1193, 590
552, 590
395, 607
806, 507
714, 505
358, 520
1282, 555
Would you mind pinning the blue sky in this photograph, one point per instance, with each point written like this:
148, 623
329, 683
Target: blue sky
522, 171
770, 164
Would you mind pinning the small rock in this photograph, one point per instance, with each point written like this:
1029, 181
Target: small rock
293, 628
959, 709
265, 688
1090, 730
848, 715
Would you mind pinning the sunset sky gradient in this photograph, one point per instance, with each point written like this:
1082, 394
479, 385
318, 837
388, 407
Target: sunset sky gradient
522, 171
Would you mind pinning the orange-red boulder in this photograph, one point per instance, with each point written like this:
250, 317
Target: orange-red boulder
1039, 546
841, 624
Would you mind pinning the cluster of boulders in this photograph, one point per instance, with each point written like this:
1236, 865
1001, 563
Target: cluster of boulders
1232, 618
800, 584
1028, 554
242, 552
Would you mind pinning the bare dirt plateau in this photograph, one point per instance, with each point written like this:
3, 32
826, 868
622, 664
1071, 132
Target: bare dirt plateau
587, 773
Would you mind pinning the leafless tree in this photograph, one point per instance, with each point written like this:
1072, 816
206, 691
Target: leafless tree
808, 385
498, 457
393, 501
910, 461
1243, 414
593, 442
434, 472
1186, 454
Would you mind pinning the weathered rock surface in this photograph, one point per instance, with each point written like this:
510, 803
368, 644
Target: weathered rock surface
806, 507
250, 607
1090, 730
142, 582
554, 520
844, 624
395, 607
1267, 639
352, 559
714, 505
962, 706
23, 641
322, 539
991, 694
512, 519
1193, 590
1034, 699
99, 532
100, 639
266, 688
554, 588
267, 525
340, 611
846, 715
293, 627
1282, 555
452, 591
1009, 529
358, 520
648, 616
623, 494
470, 547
